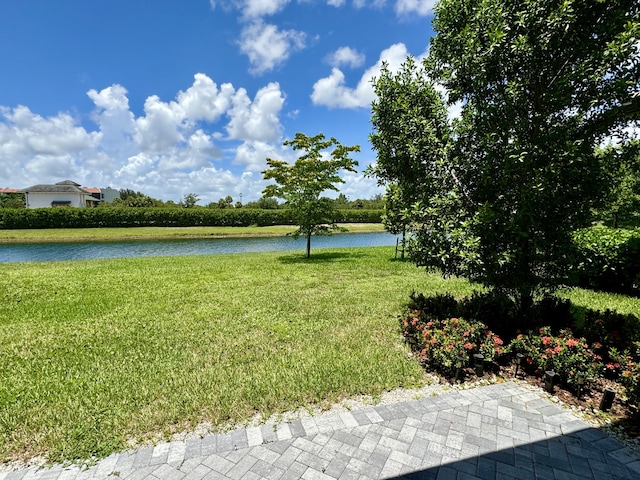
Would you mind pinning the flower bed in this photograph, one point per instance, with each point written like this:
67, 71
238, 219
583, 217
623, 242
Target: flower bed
447, 345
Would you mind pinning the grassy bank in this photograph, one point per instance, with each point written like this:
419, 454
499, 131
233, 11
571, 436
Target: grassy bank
84, 234
97, 353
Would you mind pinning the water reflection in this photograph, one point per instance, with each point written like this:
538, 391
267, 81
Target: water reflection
10, 253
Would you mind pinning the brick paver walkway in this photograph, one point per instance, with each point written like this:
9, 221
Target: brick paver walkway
502, 431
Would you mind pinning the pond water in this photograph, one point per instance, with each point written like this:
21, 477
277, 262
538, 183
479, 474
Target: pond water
30, 252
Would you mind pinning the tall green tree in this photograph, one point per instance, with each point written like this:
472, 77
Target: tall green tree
411, 132
190, 200
302, 183
411, 135
542, 83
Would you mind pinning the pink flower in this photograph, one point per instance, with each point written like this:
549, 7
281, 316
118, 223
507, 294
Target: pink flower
468, 346
572, 342
546, 340
558, 349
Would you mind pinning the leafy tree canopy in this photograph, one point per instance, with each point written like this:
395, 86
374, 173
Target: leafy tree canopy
542, 84
302, 183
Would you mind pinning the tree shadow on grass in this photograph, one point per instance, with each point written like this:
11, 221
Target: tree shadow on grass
319, 257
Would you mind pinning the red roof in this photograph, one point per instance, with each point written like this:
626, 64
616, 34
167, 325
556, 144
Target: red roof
91, 190
8, 190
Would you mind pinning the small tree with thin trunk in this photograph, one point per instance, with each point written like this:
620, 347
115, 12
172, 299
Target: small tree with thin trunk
302, 183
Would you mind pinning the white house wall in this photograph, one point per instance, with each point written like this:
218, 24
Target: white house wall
43, 200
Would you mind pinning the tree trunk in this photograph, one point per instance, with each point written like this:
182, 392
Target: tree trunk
308, 244
404, 233
524, 305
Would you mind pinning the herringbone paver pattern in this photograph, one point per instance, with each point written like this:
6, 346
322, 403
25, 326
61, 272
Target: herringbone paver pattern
501, 431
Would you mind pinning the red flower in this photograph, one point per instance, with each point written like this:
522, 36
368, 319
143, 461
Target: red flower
468, 346
558, 349
549, 351
497, 341
430, 324
572, 342
546, 340
529, 360
465, 334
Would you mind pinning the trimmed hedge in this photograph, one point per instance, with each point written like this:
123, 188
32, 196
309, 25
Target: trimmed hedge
608, 259
161, 217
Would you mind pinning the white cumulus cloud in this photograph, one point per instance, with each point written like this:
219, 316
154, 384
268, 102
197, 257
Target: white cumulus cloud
166, 152
415, 7
267, 47
258, 120
203, 100
333, 92
346, 56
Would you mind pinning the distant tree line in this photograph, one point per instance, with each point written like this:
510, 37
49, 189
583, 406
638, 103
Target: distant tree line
131, 198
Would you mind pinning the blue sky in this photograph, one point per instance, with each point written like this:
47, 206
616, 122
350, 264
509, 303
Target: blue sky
173, 97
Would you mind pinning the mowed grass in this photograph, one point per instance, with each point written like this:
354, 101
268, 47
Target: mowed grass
97, 355
84, 234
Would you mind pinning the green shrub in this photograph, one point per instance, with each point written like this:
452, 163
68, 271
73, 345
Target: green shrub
569, 357
445, 345
607, 259
438, 306
610, 328
629, 365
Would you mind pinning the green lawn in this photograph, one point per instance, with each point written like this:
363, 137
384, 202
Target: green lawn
83, 234
96, 353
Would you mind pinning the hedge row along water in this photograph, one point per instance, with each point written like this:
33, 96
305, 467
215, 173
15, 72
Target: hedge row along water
161, 217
